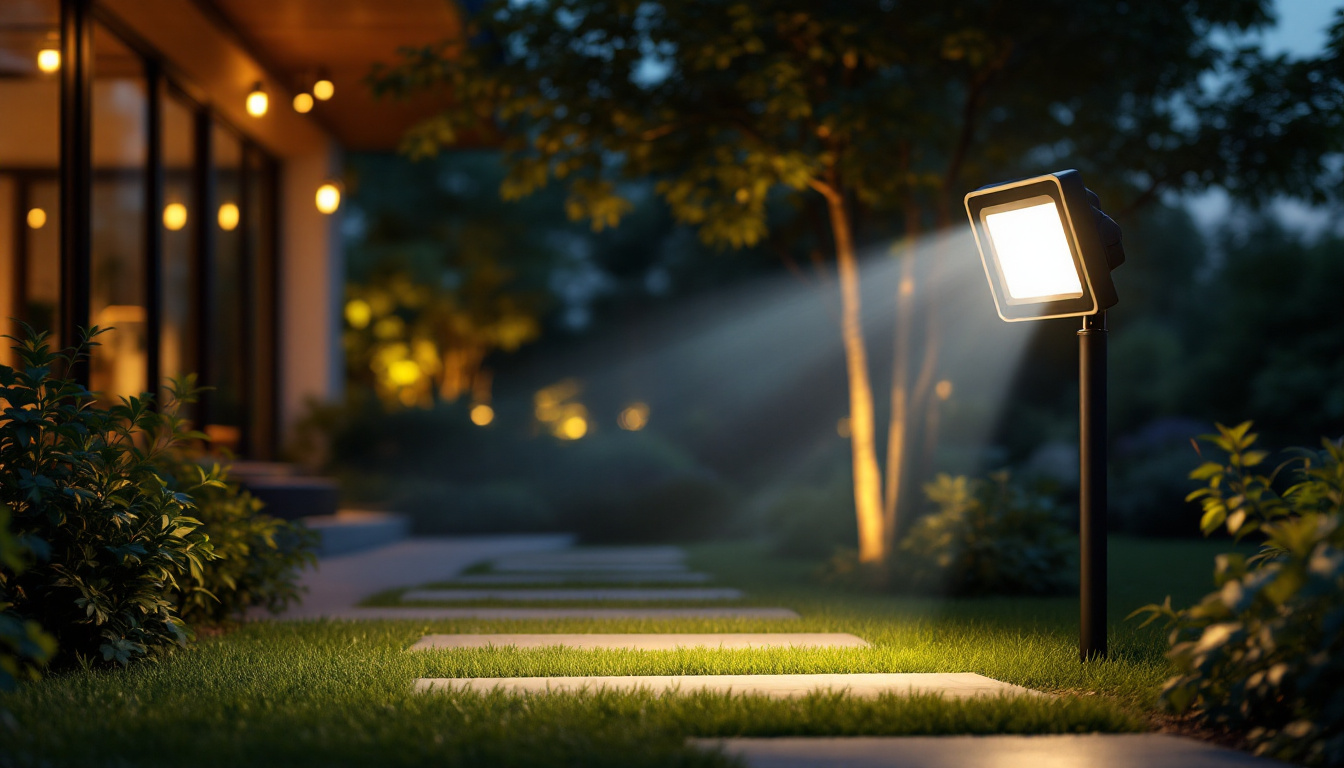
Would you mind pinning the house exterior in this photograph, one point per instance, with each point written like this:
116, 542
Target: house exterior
139, 192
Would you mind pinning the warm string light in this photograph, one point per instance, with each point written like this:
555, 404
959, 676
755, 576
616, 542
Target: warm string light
37, 218
49, 60
303, 103
228, 217
323, 89
257, 101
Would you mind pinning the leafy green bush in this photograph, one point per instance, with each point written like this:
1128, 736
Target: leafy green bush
1264, 654
986, 536
24, 646
684, 508
83, 481
439, 508
813, 521
257, 557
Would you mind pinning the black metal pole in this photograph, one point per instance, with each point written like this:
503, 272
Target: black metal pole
1092, 486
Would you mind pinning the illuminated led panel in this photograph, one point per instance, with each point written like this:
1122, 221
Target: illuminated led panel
1033, 252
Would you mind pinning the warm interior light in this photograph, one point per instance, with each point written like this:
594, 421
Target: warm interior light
1033, 252
228, 217
37, 218
482, 415
174, 216
943, 389
49, 60
324, 89
303, 103
634, 418
328, 198
257, 101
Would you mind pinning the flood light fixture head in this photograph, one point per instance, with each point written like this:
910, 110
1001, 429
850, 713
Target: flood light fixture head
1047, 248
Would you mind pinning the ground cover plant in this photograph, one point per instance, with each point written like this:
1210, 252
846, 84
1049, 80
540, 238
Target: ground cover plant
1264, 653
339, 693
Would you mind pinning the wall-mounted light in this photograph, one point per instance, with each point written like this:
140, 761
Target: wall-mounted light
37, 218
228, 217
49, 58
303, 103
174, 216
323, 88
328, 197
257, 101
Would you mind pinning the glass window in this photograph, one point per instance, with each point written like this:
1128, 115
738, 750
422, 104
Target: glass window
29, 164
178, 338
261, 348
119, 364
226, 287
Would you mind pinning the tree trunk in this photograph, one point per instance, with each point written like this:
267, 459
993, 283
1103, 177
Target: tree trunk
867, 480
898, 430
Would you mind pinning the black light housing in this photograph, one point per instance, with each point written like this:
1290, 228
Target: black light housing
1047, 248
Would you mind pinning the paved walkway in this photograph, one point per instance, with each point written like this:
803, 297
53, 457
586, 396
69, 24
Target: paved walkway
410, 612
1137, 750
339, 583
598, 594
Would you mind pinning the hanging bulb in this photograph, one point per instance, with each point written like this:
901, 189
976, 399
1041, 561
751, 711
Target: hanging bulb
328, 197
303, 103
257, 101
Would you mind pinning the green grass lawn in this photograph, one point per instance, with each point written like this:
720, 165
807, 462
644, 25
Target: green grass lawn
339, 693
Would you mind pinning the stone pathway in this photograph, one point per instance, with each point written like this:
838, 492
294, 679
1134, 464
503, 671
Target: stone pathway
571, 595
1126, 750
407, 612
951, 685
646, 642
579, 577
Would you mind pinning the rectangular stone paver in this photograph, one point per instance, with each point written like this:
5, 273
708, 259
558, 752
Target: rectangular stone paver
581, 577
646, 642
555, 595
1125, 750
605, 556
959, 685
427, 613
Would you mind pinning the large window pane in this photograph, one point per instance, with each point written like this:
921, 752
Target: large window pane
118, 367
226, 286
261, 344
29, 162
178, 345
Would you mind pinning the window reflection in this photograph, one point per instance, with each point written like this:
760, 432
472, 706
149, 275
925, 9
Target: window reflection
29, 162
226, 284
177, 337
118, 365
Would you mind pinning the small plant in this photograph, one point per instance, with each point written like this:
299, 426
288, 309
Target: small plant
81, 484
986, 536
257, 557
1263, 655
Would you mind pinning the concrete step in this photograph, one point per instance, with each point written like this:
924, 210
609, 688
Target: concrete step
958, 685
354, 531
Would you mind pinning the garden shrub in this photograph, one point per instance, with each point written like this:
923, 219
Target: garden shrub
24, 647
438, 508
82, 481
1263, 655
985, 536
258, 557
684, 508
813, 521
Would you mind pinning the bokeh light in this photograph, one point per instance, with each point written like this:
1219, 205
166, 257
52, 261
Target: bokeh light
358, 313
634, 417
174, 216
482, 415
37, 218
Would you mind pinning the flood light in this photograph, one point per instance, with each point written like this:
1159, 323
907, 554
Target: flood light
1047, 249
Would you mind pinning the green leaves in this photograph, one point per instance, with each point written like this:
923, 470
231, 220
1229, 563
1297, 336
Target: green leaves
1264, 653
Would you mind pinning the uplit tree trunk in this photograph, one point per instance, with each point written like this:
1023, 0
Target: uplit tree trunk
867, 480
898, 430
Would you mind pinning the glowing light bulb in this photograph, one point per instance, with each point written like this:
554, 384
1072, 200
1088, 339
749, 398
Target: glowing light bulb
574, 428
48, 60
303, 103
324, 89
482, 415
174, 216
328, 197
37, 218
257, 101
228, 217
1034, 252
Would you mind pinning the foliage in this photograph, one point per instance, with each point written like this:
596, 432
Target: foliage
24, 647
986, 536
257, 557
438, 508
82, 480
810, 520
846, 110
1263, 655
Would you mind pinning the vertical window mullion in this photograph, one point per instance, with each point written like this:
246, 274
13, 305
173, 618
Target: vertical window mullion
76, 193
154, 197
